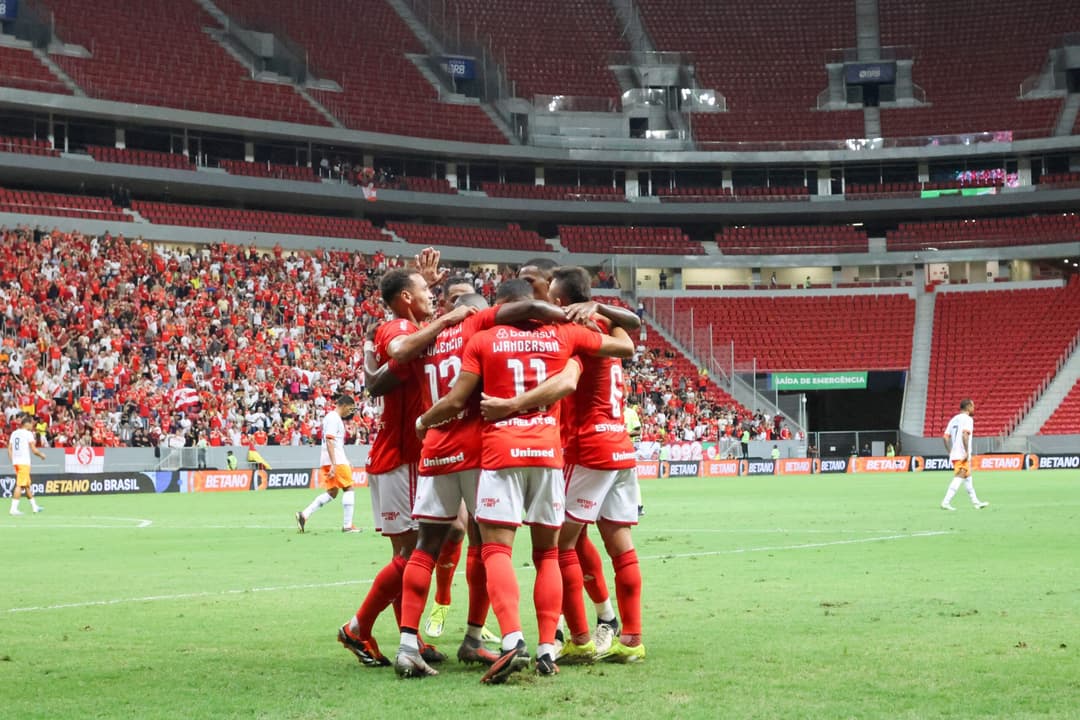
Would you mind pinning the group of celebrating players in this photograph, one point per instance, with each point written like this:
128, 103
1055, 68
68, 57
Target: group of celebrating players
494, 417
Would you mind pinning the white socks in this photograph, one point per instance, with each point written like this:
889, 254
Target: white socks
970, 487
604, 611
509, 642
14, 505
476, 633
316, 504
953, 487
34, 505
408, 640
545, 649
348, 499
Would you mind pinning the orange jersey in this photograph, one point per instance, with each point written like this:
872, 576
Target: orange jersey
593, 432
455, 445
512, 360
395, 442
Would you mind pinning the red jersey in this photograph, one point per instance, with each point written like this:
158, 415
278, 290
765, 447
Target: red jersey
512, 360
455, 445
395, 442
593, 432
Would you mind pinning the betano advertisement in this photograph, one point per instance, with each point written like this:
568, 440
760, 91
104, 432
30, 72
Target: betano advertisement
243, 480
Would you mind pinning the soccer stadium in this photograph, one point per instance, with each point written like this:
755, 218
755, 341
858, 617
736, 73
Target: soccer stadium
566, 358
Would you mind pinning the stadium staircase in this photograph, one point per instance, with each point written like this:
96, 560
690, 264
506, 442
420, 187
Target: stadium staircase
740, 390
58, 72
1070, 113
913, 414
1049, 400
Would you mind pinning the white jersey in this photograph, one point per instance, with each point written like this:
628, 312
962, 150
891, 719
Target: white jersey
20, 446
955, 431
333, 429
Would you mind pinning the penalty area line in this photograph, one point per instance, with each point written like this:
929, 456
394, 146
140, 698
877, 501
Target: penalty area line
347, 583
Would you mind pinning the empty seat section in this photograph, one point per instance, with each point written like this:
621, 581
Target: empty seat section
834, 332
628, 240
971, 85
792, 240
27, 146
258, 221
155, 52
269, 170
512, 238
996, 347
362, 45
990, 232
554, 192
46, 203
1066, 419
172, 161
20, 68
767, 58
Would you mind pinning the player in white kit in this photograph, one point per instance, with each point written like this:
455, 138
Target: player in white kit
20, 445
335, 472
958, 437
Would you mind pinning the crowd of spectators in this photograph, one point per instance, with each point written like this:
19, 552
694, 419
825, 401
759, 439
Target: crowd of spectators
112, 341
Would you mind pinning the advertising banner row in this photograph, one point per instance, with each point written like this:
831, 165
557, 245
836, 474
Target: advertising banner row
653, 469
130, 483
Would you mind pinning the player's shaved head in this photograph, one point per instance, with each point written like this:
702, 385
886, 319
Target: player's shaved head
513, 291
570, 284
475, 300
344, 400
967, 404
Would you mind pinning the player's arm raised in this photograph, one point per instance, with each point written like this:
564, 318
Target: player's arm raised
582, 312
616, 345
514, 312
406, 348
451, 405
549, 392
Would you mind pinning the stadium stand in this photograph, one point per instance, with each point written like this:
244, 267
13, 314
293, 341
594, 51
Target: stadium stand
512, 238
269, 170
792, 240
1060, 180
554, 192
832, 332
629, 240
736, 47
871, 192
996, 347
695, 194
27, 146
257, 221
991, 232
551, 47
413, 183
970, 84
154, 52
362, 45
172, 161
1066, 419
57, 204
20, 69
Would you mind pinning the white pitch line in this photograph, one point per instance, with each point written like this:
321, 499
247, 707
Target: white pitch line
346, 583
139, 523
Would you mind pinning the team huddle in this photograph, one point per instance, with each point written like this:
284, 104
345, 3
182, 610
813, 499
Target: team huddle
494, 417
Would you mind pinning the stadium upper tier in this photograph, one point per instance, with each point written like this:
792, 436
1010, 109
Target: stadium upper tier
998, 347
768, 61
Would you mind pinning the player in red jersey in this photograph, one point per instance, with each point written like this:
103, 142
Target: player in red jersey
449, 471
601, 486
522, 469
446, 564
539, 273
395, 451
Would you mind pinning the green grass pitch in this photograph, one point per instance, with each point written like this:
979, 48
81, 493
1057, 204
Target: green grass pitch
787, 597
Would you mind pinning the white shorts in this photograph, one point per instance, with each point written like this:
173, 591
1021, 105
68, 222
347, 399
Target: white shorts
392, 497
608, 494
439, 497
504, 496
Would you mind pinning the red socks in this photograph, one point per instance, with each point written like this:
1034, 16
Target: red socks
445, 569
384, 590
415, 585
573, 601
502, 586
592, 568
547, 593
628, 591
477, 580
